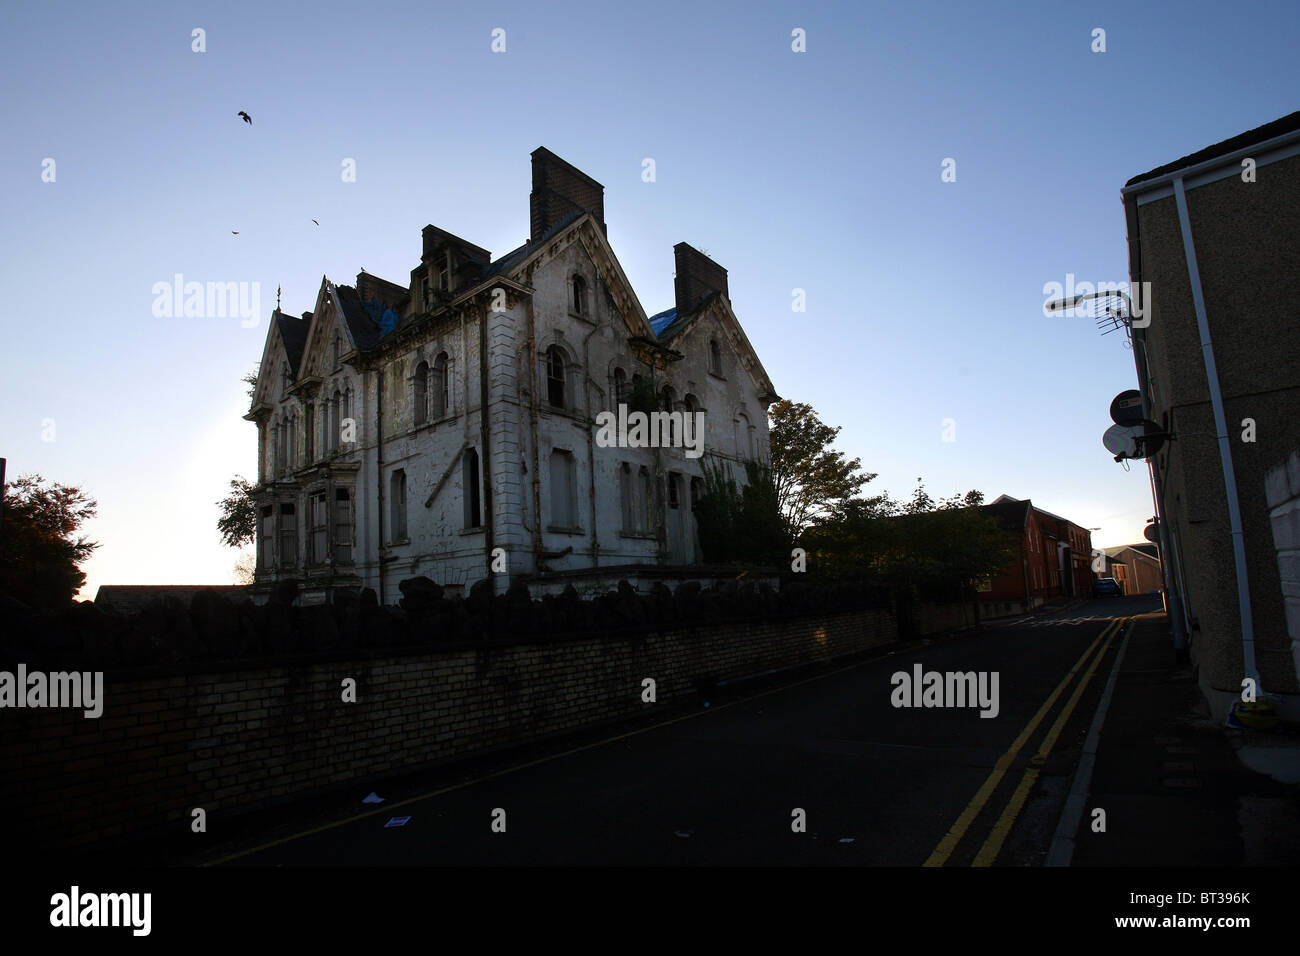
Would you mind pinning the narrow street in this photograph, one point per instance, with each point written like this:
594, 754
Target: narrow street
879, 784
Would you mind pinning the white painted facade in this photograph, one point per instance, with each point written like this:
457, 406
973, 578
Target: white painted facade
429, 484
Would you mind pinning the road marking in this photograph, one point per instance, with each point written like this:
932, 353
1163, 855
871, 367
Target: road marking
1061, 851
950, 840
1002, 829
541, 760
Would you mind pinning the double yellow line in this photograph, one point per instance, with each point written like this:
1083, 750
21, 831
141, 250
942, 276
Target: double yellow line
1002, 829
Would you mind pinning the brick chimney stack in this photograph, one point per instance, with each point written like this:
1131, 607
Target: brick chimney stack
697, 276
559, 189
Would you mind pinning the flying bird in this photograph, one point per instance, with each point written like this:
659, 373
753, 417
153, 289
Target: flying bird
233, 232
316, 222
246, 118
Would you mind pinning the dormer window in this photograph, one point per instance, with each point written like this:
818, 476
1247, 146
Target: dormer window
428, 294
578, 295
715, 357
444, 279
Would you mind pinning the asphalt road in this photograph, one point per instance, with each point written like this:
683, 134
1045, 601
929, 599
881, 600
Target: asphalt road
880, 785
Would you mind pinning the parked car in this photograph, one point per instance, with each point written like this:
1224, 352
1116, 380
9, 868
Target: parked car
1106, 586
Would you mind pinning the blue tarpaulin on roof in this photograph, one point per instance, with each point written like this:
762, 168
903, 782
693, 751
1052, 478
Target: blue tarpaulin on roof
664, 319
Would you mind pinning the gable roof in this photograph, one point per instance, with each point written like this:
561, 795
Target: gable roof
662, 320
1140, 549
293, 333
1011, 513
1287, 124
516, 256
363, 326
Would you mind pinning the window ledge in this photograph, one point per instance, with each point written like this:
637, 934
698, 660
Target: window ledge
477, 529
640, 535
557, 529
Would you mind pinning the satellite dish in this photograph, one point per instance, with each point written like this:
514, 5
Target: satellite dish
1126, 408
1152, 533
1141, 440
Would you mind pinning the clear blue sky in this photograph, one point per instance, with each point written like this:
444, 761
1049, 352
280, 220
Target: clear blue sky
818, 170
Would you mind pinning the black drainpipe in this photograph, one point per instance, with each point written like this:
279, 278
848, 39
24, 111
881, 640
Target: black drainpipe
379, 473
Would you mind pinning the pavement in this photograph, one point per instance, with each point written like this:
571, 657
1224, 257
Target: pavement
1177, 787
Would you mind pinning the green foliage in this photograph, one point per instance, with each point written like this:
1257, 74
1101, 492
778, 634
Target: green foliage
939, 547
251, 380
39, 553
812, 481
641, 396
741, 525
238, 522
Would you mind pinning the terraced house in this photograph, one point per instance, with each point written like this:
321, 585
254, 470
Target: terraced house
445, 426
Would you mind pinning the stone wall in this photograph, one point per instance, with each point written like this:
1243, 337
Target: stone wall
228, 736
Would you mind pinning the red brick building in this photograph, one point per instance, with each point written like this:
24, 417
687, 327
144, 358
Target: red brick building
1052, 561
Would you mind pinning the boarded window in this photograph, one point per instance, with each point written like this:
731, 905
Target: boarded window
335, 403
643, 487
309, 426
343, 526
469, 480
564, 512
625, 496
319, 529
439, 387
397, 506
421, 399
288, 536
266, 558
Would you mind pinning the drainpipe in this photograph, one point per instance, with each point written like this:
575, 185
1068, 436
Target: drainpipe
485, 457
379, 473
1225, 450
591, 447
532, 419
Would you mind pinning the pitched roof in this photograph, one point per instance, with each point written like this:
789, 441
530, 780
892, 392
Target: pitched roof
1140, 548
364, 328
1012, 513
516, 256
662, 320
293, 332
1259, 134
679, 322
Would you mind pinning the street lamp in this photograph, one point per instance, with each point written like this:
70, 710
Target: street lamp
1174, 609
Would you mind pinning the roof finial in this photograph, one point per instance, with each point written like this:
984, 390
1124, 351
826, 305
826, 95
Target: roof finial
277, 298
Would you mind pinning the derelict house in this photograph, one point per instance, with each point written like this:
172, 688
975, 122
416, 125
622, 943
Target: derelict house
445, 427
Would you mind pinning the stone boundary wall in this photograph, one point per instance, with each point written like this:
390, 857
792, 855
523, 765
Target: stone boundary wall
240, 735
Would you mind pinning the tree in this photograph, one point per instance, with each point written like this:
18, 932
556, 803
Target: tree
238, 522
245, 569
742, 526
39, 547
940, 548
812, 481
251, 380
